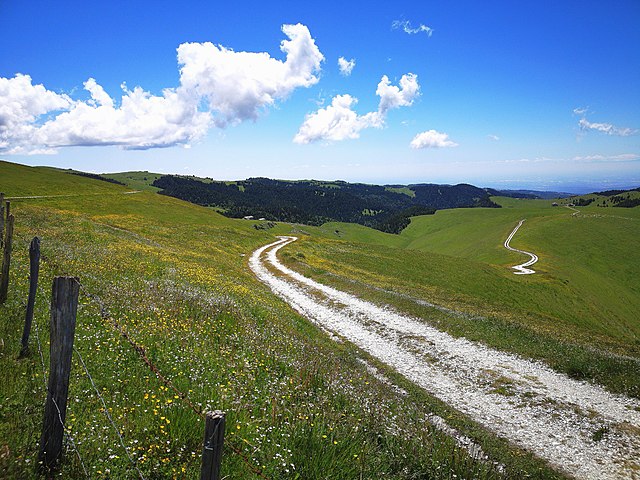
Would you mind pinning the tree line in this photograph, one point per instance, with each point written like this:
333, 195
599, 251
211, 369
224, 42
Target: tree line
314, 203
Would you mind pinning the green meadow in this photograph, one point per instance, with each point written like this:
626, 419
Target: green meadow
174, 277
578, 313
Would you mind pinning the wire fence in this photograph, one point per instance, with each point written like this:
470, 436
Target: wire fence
46, 389
108, 415
142, 354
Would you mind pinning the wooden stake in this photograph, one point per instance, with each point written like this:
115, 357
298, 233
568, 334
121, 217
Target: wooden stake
64, 305
212, 450
6, 260
34, 270
1, 220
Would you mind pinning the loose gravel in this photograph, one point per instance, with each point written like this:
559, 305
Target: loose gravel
577, 427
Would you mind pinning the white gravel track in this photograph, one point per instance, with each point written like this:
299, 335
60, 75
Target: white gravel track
543, 411
522, 268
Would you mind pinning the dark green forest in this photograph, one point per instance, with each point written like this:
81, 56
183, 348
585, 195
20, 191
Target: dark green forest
385, 208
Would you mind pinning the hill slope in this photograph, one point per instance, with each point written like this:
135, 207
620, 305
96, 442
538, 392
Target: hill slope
312, 202
173, 277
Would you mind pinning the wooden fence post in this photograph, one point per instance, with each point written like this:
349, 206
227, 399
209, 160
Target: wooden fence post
1, 220
6, 260
212, 450
64, 305
34, 270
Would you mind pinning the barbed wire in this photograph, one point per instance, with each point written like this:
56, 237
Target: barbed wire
70, 437
105, 315
108, 415
46, 389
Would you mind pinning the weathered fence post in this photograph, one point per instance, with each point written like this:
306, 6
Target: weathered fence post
1, 220
34, 270
212, 450
64, 305
6, 260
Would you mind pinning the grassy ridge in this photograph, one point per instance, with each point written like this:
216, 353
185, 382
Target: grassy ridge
588, 274
20, 180
578, 313
174, 277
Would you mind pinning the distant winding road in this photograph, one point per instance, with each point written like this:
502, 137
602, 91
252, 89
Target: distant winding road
31, 197
545, 412
522, 268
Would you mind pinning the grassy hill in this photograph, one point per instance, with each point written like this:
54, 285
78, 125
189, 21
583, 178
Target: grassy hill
578, 313
173, 277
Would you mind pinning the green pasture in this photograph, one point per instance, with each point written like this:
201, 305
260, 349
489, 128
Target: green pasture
174, 277
578, 313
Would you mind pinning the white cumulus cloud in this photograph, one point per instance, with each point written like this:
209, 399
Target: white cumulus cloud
432, 139
218, 86
346, 66
335, 122
392, 96
21, 104
406, 27
141, 121
237, 85
339, 121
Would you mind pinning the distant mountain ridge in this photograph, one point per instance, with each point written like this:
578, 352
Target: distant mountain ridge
386, 208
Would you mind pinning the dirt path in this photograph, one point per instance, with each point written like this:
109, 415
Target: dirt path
30, 197
579, 428
522, 268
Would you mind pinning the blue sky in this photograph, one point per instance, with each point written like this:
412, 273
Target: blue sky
537, 95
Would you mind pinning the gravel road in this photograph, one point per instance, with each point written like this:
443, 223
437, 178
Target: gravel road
577, 427
522, 268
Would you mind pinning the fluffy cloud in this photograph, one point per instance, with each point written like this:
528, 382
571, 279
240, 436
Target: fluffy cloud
141, 121
607, 128
217, 87
432, 139
339, 121
346, 66
407, 28
237, 85
21, 104
336, 122
394, 97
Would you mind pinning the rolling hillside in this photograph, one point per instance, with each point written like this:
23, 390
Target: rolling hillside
174, 277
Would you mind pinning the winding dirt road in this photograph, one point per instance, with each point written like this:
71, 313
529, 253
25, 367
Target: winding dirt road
522, 268
555, 417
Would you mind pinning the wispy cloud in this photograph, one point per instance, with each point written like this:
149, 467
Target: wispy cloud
495, 138
582, 159
624, 157
405, 26
339, 121
218, 87
432, 139
346, 66
607, 128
